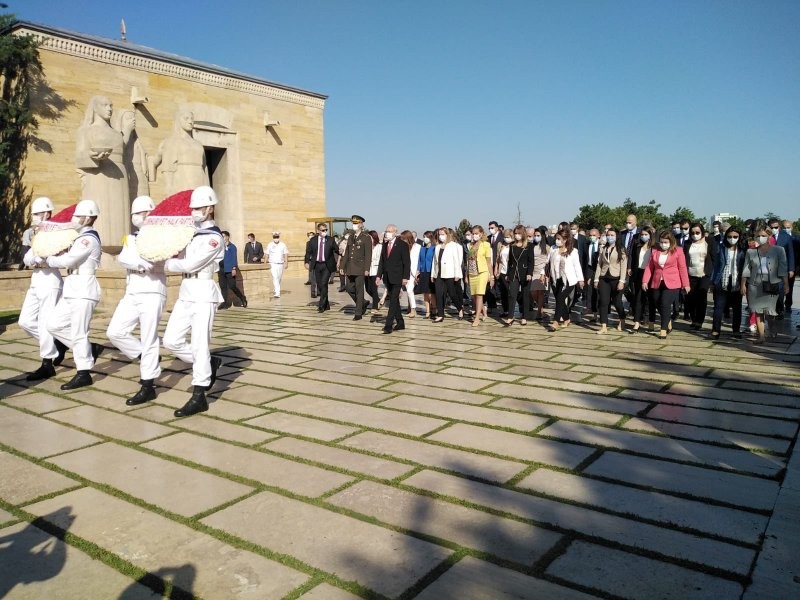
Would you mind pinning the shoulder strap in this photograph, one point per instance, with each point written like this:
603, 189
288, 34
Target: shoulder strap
213, 229
93, 233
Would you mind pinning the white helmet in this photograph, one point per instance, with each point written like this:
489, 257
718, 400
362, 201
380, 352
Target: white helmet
203, 196
86, 208
42, 204
142, 204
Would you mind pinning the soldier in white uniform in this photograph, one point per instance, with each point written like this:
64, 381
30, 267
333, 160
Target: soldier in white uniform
142, 305
41, 299
198, 299
278, 254
70, 320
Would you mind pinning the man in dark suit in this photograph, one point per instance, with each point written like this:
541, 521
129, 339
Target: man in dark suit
778, 237
253, 250
394, 268
321, 252
788, 227
630, 235
592, 253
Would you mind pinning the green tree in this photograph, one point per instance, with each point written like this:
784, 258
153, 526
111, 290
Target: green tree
595, 215
462, 228
20, 70
682, 213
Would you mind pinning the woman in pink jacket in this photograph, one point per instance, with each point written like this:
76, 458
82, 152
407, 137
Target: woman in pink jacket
665, 274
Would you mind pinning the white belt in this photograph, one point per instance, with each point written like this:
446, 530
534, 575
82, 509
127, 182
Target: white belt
81, 271
200, 275
136, 271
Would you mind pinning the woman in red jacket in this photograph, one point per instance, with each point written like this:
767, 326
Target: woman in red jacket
665, 274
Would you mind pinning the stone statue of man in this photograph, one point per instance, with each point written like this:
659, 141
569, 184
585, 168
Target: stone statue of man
182, 159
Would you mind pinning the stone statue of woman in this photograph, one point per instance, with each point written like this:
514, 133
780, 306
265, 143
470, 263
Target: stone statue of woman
181, 157
99, 158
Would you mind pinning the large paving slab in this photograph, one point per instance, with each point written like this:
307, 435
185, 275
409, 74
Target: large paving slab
724, 420
382, 560
473, 579
367, 416
307, 386
37, 436
23, 480
111, 424
731, 488
431, 455
192, 560
170, 485
558, 410
326, 591
40, 402
297, 425
627, 575
36, 565
514, 445
728, 406
259, 466
576, 399
504, 538
591, 523
225, 431
416, 389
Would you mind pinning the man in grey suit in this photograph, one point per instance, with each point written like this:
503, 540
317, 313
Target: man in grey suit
253, 250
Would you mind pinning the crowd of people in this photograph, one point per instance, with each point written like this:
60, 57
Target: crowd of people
649, 277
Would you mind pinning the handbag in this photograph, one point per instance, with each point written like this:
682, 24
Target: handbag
770, 288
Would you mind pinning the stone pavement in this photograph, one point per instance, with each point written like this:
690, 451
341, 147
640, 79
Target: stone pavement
438, 462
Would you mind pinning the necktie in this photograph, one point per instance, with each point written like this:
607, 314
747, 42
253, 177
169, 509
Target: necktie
320, 248
389, 249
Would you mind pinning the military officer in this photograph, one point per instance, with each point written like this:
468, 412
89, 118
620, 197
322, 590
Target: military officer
70, 320
198, 299
356, 263
142, 304
41, 298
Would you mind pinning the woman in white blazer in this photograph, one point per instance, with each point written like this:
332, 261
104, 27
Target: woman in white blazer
566, 273
447, 271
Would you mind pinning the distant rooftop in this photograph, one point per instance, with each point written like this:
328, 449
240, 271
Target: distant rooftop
152, 53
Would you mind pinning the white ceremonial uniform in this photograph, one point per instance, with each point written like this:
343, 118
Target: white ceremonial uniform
142, 304
40, 302
72, 316
277, 258
197, 301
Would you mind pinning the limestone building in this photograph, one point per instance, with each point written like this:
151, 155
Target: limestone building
262, 142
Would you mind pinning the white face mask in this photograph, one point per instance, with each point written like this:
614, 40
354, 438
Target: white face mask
762, 239
518, 236
36, 220
356, 227
137, 219
276, 240
198, 215
559, 243
426, 240
629, 226
611, 240
442, 238
476, 237
644, 238
508, 240
602, 240
389, 235
76, 222
697, 236
788, 230
664, 245
537, 238
776, 230
323, 234
593, 238
732, 241
492, 230
676, 230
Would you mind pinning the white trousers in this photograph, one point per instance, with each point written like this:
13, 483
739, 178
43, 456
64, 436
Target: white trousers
412, 301
69, 323
277, 273
143, 310
37, 306
199, 318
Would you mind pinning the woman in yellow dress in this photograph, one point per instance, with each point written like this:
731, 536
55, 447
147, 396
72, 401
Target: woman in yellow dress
479, 271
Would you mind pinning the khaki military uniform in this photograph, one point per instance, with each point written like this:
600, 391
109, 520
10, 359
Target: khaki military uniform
356, 262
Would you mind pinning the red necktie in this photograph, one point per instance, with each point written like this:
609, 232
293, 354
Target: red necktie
321, 247
389, 249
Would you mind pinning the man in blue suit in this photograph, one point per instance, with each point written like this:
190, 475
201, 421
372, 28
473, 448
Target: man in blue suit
780, 238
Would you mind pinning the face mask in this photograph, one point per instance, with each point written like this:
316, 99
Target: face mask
593, 238
323, 234
665, 245
389, 235
76, 222
716, 229
697, 236
574, 233
36, 220
198, 215
476, 237
356, 227
602, 240
492, 230
676, 230
508, 240
732, 241
775, 230
611, 240
559, 243
644, 238
442, 238
426, 241
629, 226
788, 230
137, 220
276, 240
762, 239
537, 238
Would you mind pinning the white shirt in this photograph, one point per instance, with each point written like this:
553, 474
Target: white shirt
83, 258
277, 253
43, 277
144, 277
201, 256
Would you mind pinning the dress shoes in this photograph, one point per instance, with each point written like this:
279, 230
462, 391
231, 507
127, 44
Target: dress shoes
197, 403
386, 330
244, 303
97, 350
216, 363
357, 317
62, 351
81, 379
313, 295
146, 393
320, 309
45, 371
399, 327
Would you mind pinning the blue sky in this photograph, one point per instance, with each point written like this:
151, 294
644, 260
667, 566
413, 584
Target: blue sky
440, 110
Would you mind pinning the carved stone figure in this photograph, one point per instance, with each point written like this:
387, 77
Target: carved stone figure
182, 158
134, 156
99, 158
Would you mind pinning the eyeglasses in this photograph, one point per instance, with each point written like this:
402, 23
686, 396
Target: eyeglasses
697, 231
323, 230
684, 229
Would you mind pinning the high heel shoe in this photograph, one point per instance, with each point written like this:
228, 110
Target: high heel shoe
634, 329
411, 314
380, 305
662, 335
438, 319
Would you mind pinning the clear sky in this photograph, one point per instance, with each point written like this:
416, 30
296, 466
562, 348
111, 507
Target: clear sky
440, 110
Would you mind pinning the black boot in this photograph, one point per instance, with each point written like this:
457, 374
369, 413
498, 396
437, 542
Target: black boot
62, 351
216, 363
97, 350
146, 393
197, 403
43, 372
81, 379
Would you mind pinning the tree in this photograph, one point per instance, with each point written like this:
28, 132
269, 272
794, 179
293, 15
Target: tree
683, 213
463, 226
592, 216
20, 68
